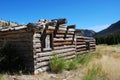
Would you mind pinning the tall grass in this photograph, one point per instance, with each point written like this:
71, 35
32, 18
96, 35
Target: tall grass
57, 64
72, 64
108, 59
95, 73
84, 59
1, 77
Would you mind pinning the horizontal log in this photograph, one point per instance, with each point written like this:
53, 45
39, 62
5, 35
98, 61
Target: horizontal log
59, 36
92, 48
63, 43
70, 32
36, 40
82, 49
67, 54
38, 50
18, 35
63, 40
64, 47
79, 37
92, 42
80, 40
80, 46
61, 32
36, 35
62, 26
69, 36
41, 64
51, 27
42, 69
37, 45
46, 58
80, 43
63, 50
71, 29
49, 31
64, 29
58, 39
13, 32
70, 57
87, 40
42, 54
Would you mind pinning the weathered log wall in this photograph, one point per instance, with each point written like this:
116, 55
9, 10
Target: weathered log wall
21, 40
63, 45
81, 44
29, 42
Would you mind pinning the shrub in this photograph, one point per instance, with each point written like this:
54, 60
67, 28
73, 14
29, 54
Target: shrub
72, 64
57, 64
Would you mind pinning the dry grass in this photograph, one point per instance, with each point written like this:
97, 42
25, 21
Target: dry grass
109, 59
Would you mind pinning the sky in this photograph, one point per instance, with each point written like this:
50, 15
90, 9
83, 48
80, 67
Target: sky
85, 14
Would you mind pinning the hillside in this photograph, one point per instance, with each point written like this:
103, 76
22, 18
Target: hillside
113, 28
4, 23
85, 32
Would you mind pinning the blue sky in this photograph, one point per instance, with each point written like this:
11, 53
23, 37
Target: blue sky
86, 14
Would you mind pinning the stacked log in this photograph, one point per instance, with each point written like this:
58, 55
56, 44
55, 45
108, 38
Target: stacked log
81, 46
29, 40
63, 45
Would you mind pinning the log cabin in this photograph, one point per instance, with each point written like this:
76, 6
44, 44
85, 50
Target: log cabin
37, 42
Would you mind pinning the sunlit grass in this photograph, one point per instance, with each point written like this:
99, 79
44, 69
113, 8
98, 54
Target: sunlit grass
109, 59
57, 64
1, 77
95, 72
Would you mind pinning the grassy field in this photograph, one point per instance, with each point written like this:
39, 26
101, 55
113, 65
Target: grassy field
108, 60
103, 64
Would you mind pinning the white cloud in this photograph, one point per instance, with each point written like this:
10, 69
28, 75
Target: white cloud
98, 28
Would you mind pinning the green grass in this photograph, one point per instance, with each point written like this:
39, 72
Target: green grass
1, 77
57, 64
72, 64
84, 59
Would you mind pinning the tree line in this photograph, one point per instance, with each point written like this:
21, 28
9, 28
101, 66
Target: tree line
111, 39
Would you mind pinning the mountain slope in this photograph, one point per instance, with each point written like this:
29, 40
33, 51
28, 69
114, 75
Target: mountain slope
85, 32
114, 28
